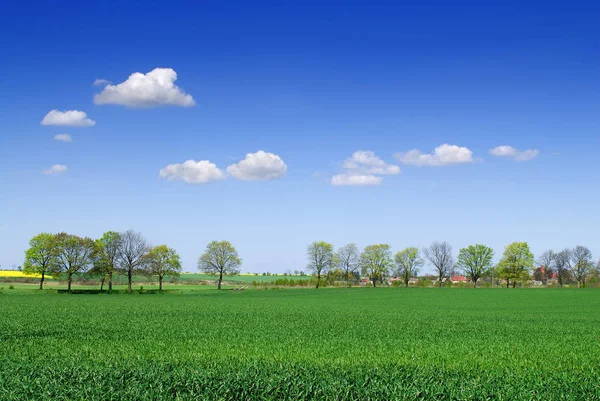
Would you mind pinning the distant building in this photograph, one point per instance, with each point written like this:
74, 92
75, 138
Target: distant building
458, 279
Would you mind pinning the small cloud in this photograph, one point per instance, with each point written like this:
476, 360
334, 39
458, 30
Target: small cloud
355, 180
364, 161
443, 155
63, 138
72, 118
102, 82
56, 169
193, 172
156, 88
509, 151
259, 166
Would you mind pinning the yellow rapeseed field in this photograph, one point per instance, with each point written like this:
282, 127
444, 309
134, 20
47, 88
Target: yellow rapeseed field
16, 273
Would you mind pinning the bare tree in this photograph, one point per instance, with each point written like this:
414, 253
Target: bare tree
546, 262
581, 264
562, 262
321, 258
348, 260
132, 251
439, 255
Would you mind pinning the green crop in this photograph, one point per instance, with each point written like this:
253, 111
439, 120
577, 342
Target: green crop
297, 344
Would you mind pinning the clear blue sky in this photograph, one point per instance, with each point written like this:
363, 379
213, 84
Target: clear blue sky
312, 83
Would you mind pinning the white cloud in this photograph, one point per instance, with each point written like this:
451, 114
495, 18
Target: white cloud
63, 138
72, 118
56, 169
359, 179
156, 88
193, 172
101, 82
366, 162
259, 166
509, 151
443, 155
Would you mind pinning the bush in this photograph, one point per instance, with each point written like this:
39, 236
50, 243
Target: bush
11, 287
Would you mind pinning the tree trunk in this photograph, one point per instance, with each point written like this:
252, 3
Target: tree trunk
514, 283
102, 283
220, 280
507, 283
374, 283
474, 283
406, 283
110, 282
42, 281
440, 282
129, 274
160, 278
69, 283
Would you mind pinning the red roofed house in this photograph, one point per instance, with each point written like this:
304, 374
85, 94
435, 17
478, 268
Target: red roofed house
458, 279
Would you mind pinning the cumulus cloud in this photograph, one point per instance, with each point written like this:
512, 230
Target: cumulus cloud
193, 172
443, 155
72, 118
63, 138
509, 151
259, 166
156, 88
102, 82
56, 169
365, 162
358, 179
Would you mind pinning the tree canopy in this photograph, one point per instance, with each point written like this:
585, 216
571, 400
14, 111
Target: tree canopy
220, 258
474, 261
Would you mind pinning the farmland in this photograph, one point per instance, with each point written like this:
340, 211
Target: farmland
360, 343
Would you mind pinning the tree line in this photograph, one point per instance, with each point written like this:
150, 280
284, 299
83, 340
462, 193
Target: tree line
516, 263
127, 253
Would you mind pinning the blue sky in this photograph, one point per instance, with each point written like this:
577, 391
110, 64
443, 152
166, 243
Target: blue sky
309, 84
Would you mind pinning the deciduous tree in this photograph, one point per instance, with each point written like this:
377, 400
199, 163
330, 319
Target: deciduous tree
408, 263
41, 257
321, 259
131, 252
581, 264
439, 255
474, 261
376, 261
561, 264
107, 257
220, 258
516, 262
547, 261
162, 261
74, 254
348, 260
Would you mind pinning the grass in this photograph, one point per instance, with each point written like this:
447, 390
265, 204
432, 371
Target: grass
364, 344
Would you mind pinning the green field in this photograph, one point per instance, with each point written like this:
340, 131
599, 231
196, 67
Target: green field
363, 344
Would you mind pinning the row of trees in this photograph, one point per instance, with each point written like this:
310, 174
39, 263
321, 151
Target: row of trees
114, 253
475, 261
127, 253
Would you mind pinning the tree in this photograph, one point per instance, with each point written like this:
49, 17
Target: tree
107, 257
562, 261
131, 252
162, 261
220, 257
581, 264
41, 257
546, 262
408, 263
439, 255
376, 261
516, 262
474, 261
74, 254
348, 260
321, 259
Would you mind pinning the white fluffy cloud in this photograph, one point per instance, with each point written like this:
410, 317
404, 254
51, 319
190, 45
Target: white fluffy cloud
365, 162
72, 118
443, 155
509, 151
101, 82
193, 172
156, 88
259, 166
56, 169
363, 168
359, 179
63, 138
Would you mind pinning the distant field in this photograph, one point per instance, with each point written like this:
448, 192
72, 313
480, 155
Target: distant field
360, 343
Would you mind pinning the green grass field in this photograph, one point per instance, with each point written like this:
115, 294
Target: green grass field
363, 344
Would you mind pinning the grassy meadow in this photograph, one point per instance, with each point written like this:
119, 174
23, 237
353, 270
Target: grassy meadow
296, 344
